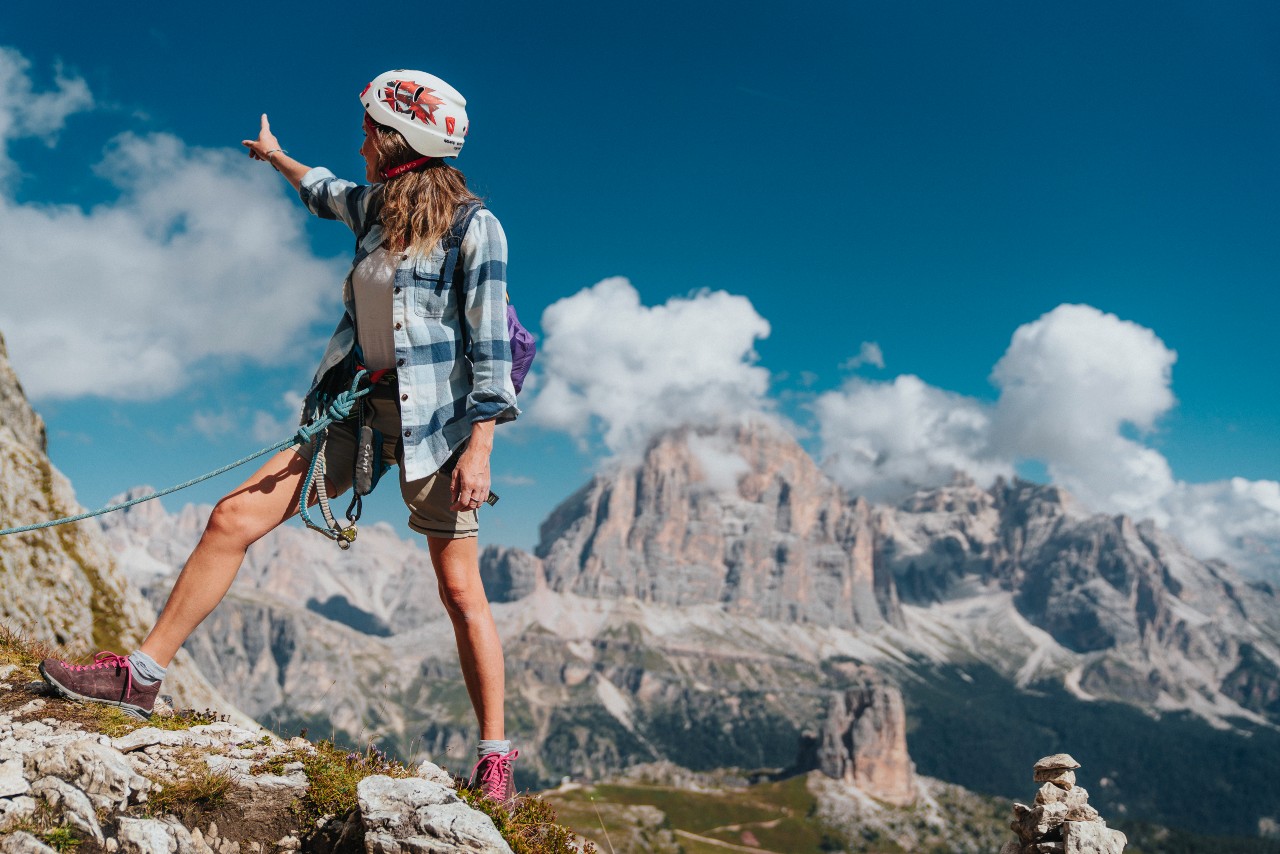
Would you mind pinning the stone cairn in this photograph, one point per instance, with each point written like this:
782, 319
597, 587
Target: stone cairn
1061, 822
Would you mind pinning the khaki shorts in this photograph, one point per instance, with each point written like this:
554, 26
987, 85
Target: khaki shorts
427, 498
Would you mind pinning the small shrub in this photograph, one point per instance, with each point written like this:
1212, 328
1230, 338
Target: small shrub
332, 775
530, 827
61, 838
201, 787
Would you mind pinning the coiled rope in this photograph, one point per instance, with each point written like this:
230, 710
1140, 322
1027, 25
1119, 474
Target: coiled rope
338, 410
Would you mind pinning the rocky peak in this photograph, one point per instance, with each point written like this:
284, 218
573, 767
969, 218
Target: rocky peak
864, 739
19, 423
739, 516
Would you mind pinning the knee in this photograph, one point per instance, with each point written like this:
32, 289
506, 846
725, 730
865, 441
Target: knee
233, 521
464, 603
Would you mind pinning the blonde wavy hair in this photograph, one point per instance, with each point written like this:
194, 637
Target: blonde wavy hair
417, 206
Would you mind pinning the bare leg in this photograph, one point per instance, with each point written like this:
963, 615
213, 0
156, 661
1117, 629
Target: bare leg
257, 506
457, 565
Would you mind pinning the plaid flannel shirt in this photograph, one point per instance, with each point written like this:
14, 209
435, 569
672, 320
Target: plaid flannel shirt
442, 391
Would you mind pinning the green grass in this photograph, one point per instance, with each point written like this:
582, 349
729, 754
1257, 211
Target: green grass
199, 786
776, 814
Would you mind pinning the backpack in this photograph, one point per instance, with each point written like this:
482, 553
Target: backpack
523, 347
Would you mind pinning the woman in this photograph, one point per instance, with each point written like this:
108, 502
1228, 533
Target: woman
435, 408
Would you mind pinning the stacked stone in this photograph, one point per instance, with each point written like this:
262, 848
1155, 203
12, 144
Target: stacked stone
1061, 822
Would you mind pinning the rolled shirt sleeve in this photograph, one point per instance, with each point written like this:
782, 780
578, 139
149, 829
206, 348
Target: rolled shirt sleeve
330, 197
484, 259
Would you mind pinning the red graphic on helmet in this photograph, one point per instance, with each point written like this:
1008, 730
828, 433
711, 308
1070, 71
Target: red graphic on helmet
448, 125
405, 96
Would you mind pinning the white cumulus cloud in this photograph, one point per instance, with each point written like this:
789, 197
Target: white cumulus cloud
611, 364
1070, 383
1080, 391
869, 353
199, 258
884, 440
25, 112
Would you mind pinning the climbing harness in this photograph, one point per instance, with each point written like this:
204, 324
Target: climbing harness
335, 410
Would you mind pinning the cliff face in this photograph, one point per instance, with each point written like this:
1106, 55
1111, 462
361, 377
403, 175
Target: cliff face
742, 520
61, 584
864, 739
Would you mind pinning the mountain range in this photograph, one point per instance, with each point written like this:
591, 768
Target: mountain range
708, 604
704, 603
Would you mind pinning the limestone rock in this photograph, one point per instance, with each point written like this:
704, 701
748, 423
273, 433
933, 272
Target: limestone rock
146, 836
1050, 793
414, 816
12, 781
1040, 821
1082, 812
100, 771
70, 803
148, 736
1090, 837
864, 740
1058, 761
435, 774
21, 842
1061, 778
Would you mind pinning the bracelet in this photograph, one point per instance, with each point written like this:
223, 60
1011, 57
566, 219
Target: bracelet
267, 157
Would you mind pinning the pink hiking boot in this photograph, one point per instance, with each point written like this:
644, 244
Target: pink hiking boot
108, 680
493, 776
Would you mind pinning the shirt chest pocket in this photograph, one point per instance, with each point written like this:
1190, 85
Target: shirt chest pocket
430, 293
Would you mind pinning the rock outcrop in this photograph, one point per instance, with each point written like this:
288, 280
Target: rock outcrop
56, 776
743, 520
61, 584
864, 739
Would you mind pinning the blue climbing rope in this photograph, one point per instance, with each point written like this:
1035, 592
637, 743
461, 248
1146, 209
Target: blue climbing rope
338, 410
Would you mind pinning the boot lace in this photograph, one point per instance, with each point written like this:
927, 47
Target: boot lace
493, 773
109, 659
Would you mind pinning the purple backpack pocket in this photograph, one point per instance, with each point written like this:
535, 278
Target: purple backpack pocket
523, 348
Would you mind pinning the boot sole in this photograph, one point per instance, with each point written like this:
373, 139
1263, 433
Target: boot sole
128, 708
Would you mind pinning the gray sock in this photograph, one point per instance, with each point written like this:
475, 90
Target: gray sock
144, 668
493, 745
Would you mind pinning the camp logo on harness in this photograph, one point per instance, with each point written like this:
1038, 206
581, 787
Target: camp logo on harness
405, 96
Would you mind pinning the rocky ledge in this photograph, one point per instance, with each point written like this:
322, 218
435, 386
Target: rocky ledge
212, 788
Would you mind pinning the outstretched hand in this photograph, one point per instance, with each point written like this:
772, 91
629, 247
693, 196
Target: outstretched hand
265, 143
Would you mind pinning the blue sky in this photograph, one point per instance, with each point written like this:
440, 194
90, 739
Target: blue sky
926, 176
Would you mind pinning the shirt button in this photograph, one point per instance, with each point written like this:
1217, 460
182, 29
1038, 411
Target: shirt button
404, 397
399, 326
397, 289
408, 433
399, 363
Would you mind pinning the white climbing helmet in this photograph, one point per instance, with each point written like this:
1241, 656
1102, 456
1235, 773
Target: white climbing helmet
430, 114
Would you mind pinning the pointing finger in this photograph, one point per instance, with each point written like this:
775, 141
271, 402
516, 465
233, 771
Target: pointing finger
266, 125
